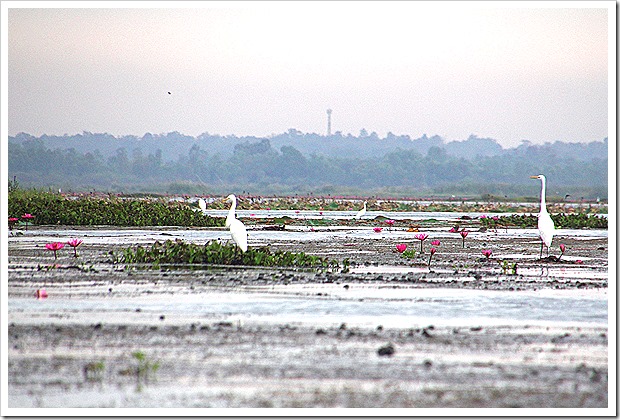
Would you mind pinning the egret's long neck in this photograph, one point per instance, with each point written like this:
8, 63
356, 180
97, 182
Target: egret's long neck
231, 212
543, 193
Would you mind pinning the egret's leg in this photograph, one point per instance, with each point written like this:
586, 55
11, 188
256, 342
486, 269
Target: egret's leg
541, 247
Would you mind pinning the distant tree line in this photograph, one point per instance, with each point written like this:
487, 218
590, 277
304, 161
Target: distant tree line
256, 165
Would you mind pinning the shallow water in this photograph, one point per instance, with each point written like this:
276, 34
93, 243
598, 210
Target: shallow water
295, 233
345, 215
340, 215
327, 305
566, 273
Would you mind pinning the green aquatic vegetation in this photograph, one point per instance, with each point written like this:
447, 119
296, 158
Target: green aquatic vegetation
505, 265
145, 369
561, 221
54, 209
320, 222
408, 253
579, 220
93, 371
346, 263
214, 253
281, 220
146, 366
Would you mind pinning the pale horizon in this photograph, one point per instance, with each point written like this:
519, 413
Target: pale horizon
508, 72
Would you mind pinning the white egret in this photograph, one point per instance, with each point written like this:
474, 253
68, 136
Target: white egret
237, 228
546, 227
361, 212
202, 204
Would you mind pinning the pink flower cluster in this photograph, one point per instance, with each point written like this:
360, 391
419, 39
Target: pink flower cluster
13, 220
56, 246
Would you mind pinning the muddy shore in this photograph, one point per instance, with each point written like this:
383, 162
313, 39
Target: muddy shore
86, 357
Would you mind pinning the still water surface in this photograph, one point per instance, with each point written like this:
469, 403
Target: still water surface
363, 305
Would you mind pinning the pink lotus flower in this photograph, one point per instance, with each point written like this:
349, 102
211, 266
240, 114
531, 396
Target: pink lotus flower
436, 242
464, 234
421, 237
27, 217
487, 252
74, 243
55, 246
562, 249
12, 221
296, 211
390, 222
40, 294
401, 247
321, 213
433, 250
377, 229
454, 229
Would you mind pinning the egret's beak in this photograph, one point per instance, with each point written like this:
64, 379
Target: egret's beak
534, 177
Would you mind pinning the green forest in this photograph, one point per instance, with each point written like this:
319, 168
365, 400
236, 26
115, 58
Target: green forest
256, 166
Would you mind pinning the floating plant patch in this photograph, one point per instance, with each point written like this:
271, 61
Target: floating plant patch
179, 252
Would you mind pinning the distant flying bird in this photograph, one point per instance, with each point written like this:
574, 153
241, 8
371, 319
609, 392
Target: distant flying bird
169, 93
546, 227
361, 212
237, 228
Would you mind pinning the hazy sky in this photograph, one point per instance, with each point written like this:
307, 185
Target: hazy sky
505, 70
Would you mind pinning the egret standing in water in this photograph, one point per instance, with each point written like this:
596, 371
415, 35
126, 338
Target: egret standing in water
545, 223
202, 204
361, 212
237, 229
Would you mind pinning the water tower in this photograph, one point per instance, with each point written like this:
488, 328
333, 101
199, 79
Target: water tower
329, 122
